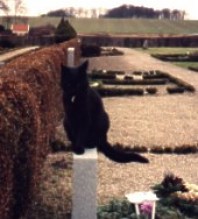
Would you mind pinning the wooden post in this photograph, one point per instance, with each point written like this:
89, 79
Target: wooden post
71, 57
84, 198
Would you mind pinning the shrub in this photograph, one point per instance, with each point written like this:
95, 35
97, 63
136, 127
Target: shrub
175, 89
127, 77
169, 185
113, 72
19, 142
106, 92
2, 28
136, 82
193, 68
137, 73
42, 30
186, 149
90, 50
100, 75
151, 90
157, 75
30, 97
6, 43
64, 31
116, 209
175, 202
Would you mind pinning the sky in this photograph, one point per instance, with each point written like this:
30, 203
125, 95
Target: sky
43, 6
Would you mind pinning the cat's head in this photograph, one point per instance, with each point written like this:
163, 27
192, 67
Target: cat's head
74, 79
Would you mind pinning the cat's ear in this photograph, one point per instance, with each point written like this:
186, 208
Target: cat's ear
84, 66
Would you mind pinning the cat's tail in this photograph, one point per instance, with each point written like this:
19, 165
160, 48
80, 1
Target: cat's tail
120, 156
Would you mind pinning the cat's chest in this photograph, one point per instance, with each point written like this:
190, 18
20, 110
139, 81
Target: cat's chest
75, 106
70, 101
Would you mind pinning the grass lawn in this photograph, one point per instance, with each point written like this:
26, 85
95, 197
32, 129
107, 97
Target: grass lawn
122, 26
174, 50
169, 50
186, 64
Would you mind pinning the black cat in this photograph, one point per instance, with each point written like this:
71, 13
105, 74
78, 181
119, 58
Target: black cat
86, 121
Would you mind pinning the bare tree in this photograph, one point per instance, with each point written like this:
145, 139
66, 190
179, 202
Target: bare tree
4, 6
19, 7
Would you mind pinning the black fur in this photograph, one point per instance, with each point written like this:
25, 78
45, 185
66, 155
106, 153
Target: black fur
86, 121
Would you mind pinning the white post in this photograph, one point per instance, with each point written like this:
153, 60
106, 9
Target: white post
137, 210
84, 198
153, 210
71, 57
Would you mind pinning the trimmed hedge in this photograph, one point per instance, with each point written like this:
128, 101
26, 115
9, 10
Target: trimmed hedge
175, 89
111, 72
108, 92
100, 75
153, 77
136, 82
90, 50
30, 108
193, 68
192, 57
151, 90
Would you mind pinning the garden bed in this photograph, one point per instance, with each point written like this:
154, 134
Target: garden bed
184, 57
120, 83
177, 199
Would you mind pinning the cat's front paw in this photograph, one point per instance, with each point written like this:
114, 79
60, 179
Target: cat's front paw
78, 150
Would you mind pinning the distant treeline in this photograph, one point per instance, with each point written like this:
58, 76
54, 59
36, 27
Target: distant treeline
130, 11
123, 11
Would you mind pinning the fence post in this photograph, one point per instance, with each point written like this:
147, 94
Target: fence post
71, 57
84, 197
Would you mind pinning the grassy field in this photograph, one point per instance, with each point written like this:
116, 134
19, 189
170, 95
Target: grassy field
123, 26
174, 50
170, 50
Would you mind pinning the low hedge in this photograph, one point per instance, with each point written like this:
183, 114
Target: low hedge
151, 90
100, 75
113, 72
90, 50
107, 92
180, 84
135, 82
193, 68
175, 89
30, 103
193, 57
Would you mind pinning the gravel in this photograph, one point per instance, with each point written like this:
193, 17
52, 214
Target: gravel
160, 120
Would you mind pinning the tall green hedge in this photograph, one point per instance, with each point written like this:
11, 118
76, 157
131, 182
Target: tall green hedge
64, 31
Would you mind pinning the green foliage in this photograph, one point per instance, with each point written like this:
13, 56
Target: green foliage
123, 26
164, 212
112, 83
169, 205
175, 89
64, 31
118, 209
122, 209
169, 185
151, 90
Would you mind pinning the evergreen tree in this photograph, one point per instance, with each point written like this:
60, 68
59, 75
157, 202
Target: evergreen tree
64, 31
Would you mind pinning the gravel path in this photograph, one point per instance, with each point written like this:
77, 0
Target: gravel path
163, 120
